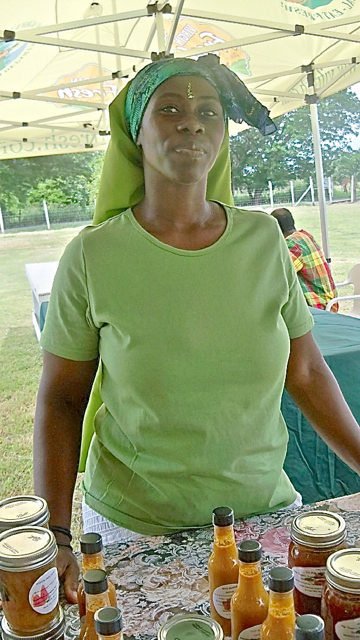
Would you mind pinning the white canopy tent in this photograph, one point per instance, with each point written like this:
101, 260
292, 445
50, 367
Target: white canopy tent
63, 61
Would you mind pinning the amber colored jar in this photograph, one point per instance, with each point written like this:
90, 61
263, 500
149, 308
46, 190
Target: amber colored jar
55, 630
97, 597
340, 601
28, 579
249, 603
23, 511
315, 535
280, 621
108, 623
223, 567
92, 558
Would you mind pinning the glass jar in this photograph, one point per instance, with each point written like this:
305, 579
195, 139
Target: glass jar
23, 511
340, 602
29, 581
315, 535
54, 631
191, 626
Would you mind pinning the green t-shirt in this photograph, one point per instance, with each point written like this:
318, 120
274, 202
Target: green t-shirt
194, 347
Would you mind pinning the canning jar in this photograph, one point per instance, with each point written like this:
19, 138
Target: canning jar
191, 626
340, 602
23, 511
28, 579
54, 631
314, 536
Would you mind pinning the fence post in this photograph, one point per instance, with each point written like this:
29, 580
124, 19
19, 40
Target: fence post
1, 222
353, 189
292, 192
330, 190
271, 194
312, 191
46, 214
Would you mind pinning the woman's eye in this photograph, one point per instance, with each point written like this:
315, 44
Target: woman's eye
209, 112
169, 109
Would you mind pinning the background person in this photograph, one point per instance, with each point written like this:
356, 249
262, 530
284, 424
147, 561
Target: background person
196, 327
309, 261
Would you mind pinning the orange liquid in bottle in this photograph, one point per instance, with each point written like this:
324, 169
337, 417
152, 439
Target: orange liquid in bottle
249, 603
280, 621
97, 597
223, 567
92, 558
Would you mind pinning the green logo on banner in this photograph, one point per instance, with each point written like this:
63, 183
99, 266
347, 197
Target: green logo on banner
10, 51
311, 4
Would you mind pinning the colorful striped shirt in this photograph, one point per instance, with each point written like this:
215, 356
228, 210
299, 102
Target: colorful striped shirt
312, 269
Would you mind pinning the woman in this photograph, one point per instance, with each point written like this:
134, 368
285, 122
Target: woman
196, 324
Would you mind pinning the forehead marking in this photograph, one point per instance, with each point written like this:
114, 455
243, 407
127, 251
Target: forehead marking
189, 92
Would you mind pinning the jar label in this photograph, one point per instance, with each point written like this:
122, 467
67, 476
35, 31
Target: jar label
348, 629
252, 633
309, 580
221, 599
44, 593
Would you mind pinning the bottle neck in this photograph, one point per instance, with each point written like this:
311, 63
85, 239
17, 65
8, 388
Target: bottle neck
95, 601
93, 561
224, 536
250, 569
281, 604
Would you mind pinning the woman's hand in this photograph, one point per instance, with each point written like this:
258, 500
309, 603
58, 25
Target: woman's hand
68, 572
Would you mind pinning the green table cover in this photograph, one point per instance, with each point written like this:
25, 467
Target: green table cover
316, 472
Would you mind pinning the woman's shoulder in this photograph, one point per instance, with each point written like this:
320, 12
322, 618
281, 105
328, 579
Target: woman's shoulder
256, 217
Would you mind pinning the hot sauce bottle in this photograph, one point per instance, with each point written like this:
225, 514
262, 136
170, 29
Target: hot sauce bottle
97, 597
340, 601
315, 535
249, 603
108, 623
223, 567
309, 627
280, 621
92, 558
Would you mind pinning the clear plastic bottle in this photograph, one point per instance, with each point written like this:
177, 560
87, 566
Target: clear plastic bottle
309, 627
280, 621
223, 567
249, 603
97, 597
92, 558
108, 623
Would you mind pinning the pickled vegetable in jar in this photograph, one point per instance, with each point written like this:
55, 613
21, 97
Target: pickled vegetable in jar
23, 511
340, 602
315, 535
29, 582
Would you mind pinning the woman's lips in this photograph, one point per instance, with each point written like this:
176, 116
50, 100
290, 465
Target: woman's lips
190, 152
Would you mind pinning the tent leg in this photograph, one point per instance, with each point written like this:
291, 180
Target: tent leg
320, 180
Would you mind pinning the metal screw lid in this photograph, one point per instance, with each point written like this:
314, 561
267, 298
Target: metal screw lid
26, 548
281, 579
54, 631
108, 621
91, 543
223, 516
95, 581
21, 511
249, 551
309, 627
318, 529
343, 570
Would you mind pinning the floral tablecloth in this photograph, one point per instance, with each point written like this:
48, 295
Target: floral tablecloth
156, 577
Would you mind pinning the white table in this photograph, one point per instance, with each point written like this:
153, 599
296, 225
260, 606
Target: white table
41, 276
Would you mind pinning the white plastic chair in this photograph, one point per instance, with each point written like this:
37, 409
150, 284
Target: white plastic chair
353, 279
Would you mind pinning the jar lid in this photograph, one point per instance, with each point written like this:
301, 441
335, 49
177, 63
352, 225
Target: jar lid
26, 548
318, 529
191, 627
55, 630
309, 627
108, 621
223, 516
249, 551
20, 511
281, 579
95, 581
91, 543
343, 570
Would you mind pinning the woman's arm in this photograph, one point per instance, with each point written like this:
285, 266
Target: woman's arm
62, 398
316, 392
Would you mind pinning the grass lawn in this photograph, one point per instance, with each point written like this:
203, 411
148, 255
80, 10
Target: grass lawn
20, 357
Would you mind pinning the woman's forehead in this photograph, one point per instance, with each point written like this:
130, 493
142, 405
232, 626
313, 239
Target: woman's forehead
188, 85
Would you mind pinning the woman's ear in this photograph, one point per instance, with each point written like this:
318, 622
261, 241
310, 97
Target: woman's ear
138, 141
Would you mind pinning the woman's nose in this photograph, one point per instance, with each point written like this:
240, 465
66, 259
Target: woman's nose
191, 124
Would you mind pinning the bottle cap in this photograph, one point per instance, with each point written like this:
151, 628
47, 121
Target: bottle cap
91, 543
95, 581
281, 579
108, 621
22, 511
309, 627
249, 551
223, 516
26, 548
